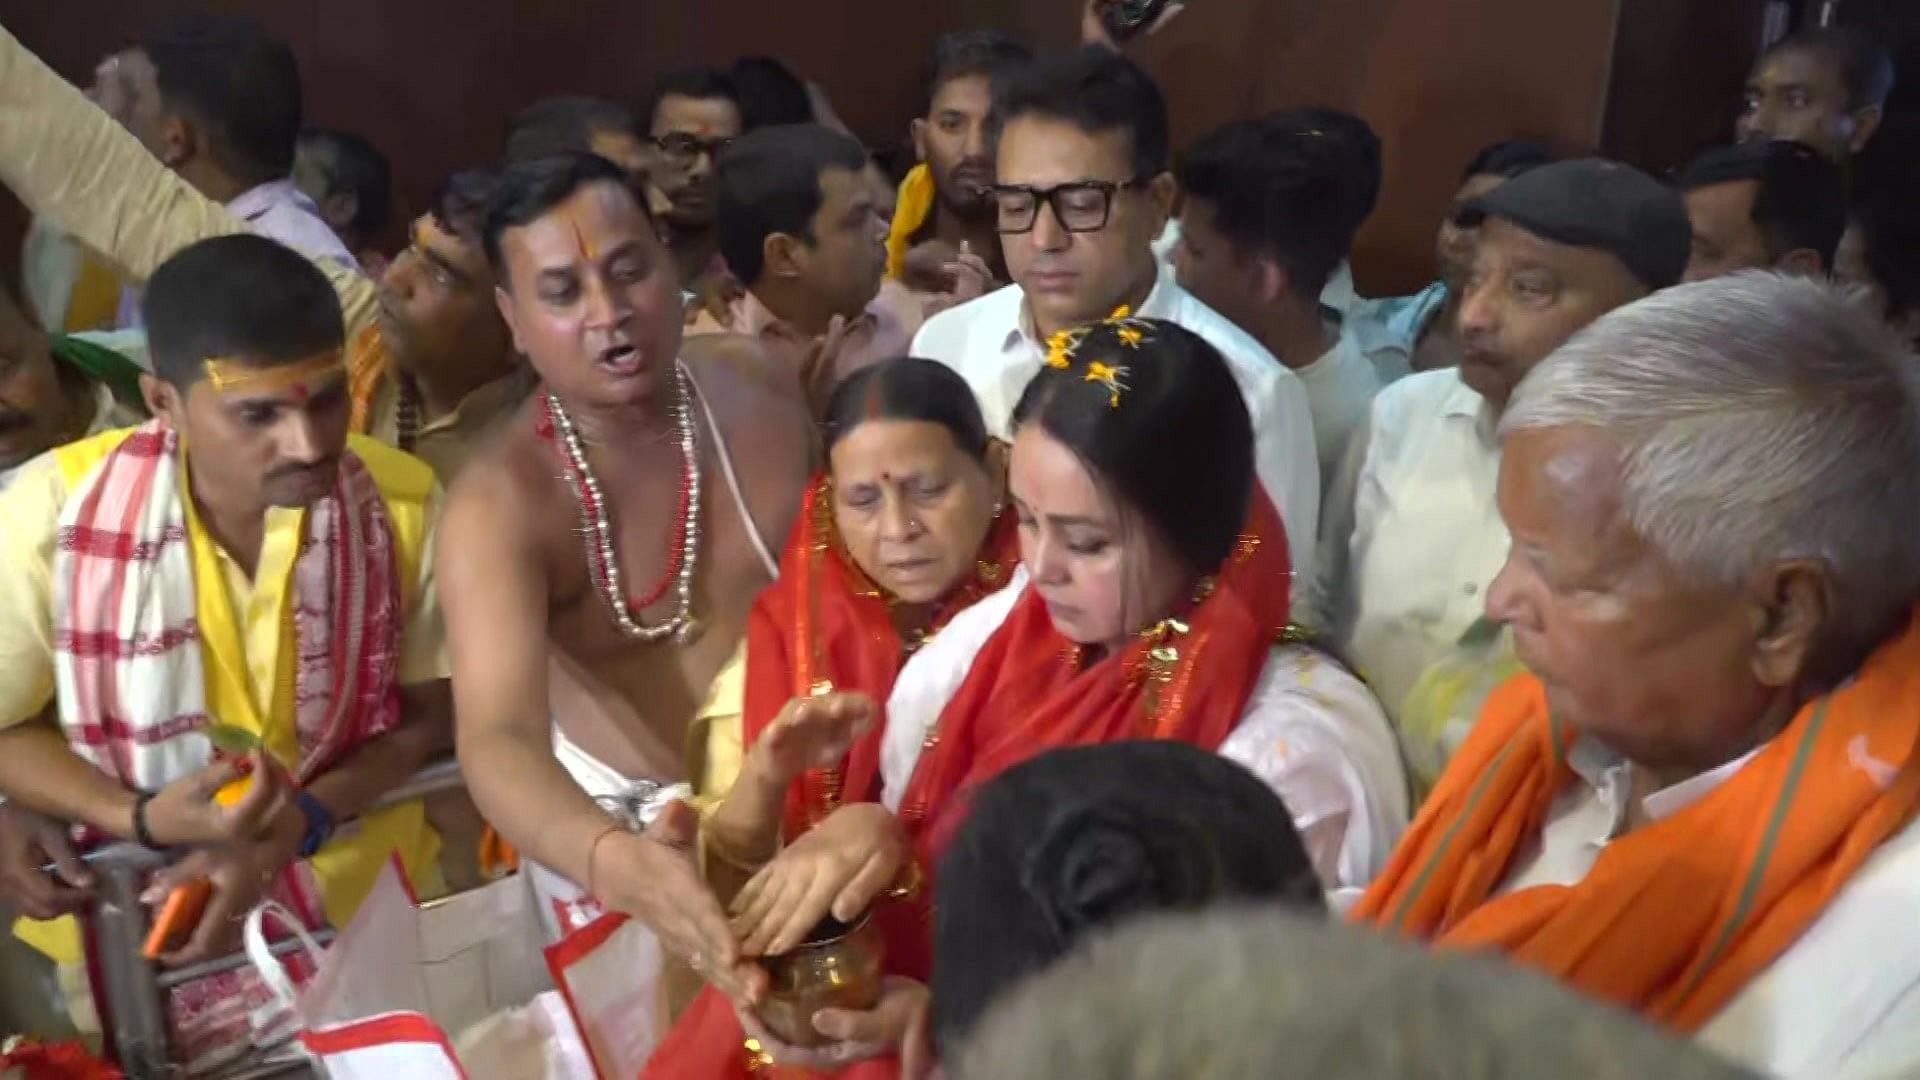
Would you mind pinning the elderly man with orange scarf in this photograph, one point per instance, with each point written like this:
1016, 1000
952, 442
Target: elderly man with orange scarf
1699, 803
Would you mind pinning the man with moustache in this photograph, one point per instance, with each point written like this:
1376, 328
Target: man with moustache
943, 209
692, 115
430, 367
241, 560
1412, 535
629, 515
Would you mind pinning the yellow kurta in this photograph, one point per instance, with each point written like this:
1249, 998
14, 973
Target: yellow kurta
247, 638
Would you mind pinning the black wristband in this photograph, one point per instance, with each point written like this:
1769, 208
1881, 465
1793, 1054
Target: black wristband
140, 832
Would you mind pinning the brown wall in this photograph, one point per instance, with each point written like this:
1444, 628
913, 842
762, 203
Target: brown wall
432, 81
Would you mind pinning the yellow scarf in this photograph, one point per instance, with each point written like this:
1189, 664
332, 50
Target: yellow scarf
909, 214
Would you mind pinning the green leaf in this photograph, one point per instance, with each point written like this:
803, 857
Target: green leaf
230, 739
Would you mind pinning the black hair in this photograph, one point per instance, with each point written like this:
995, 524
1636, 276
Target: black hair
240, 85
1353, 148
1507, 159
698, 83
355, 166
769, 93
1176, 442
1866, 66
1096, 90
966, 53
1076, 840
1278, 192
460, 206
1889, 223
907, 388
526, 191
242, 296
768, 182
564, 125
1802, 198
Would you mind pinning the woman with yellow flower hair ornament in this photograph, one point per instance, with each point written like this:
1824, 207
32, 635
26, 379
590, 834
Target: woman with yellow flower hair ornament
1151, 603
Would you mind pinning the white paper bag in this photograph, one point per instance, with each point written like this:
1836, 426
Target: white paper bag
403, 975
608, 972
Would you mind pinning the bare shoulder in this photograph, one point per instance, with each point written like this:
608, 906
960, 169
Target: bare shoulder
501, 494
744, 381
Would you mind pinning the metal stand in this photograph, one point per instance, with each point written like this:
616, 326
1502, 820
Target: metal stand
132, 989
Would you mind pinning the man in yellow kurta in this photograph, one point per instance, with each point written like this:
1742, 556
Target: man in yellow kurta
241, 561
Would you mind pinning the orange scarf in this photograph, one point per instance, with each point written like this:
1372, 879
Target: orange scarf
910, 212
368, 365
1677, 916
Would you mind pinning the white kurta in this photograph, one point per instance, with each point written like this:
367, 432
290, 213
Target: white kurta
1412, 537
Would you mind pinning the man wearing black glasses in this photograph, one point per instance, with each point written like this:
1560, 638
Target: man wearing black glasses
693, 116
1082, 190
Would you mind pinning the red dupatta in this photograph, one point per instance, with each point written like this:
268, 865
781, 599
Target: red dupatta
823, 625
1025, 693
1028, 691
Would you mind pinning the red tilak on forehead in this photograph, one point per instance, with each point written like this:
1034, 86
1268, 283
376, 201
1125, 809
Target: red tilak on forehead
587, 251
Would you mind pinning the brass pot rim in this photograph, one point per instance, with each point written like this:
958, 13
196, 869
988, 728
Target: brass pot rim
845, 931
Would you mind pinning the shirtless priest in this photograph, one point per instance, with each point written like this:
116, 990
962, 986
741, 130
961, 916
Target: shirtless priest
602, 556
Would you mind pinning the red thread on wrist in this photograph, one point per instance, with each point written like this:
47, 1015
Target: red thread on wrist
594, 849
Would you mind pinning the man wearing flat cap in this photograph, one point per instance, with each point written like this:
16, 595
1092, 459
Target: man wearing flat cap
1411, 537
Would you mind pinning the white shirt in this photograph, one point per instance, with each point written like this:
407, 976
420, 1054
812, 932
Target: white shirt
1310, 731
278, 211
1841, 1003
1412, 536
1340, 386
991, 343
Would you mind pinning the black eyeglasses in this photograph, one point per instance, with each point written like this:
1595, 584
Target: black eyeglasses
683, 150
1083, 206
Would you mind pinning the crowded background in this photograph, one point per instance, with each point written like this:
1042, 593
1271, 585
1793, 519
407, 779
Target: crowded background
988, 540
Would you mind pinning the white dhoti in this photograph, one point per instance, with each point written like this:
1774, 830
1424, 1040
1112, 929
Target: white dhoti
566, 907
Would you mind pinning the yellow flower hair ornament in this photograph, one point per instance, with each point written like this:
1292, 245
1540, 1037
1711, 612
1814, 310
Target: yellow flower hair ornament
1112, 377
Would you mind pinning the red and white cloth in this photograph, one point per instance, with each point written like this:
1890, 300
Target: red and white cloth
129, 661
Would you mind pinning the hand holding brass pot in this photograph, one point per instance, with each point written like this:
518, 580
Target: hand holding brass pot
838, 966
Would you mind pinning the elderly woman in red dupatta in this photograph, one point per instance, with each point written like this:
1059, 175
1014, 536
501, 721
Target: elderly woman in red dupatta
1699, 802
907, 527
1151, 601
